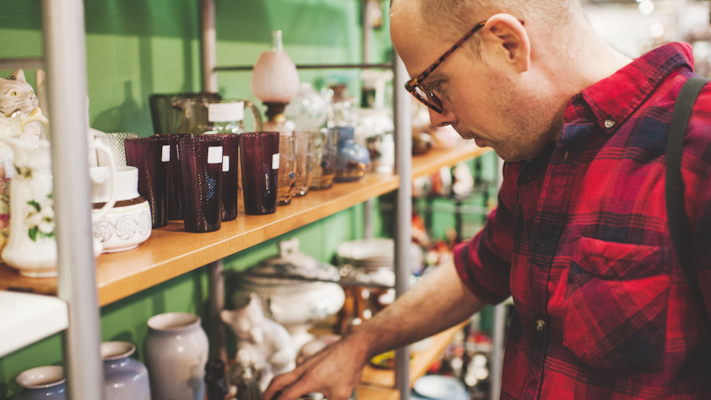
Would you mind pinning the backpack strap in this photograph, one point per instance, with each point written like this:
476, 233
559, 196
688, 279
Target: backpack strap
678, 219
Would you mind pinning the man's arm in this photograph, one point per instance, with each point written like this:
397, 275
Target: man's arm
439, 302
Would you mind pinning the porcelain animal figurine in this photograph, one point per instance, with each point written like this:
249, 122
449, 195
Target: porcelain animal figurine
264, 345
19, 108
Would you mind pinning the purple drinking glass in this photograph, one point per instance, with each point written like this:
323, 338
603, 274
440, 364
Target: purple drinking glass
151, 155
201, 167
230, 174
259, 158
175, 185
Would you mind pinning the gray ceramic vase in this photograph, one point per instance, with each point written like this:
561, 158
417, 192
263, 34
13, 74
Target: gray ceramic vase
124, 377
45, 383
176, 353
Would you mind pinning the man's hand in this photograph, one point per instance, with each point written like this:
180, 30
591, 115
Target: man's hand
334, 372
439, 302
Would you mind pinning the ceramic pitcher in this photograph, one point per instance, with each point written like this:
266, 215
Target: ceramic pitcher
124, 377
32, 246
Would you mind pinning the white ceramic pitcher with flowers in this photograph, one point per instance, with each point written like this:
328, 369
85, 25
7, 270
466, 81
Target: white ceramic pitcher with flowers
32, 246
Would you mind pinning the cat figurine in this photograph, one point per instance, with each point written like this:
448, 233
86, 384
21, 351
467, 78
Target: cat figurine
264, 345
19, 111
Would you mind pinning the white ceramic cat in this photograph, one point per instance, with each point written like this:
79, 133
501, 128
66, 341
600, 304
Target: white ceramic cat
19, 113
264, 345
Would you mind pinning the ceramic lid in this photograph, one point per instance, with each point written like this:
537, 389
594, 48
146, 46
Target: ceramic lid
293, 262
126, 183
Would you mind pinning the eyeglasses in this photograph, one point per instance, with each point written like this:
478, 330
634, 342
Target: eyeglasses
427, 97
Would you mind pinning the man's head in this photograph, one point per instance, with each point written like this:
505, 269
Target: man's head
503, 86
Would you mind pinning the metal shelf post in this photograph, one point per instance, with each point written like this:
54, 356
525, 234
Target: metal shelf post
403, 220
65, 51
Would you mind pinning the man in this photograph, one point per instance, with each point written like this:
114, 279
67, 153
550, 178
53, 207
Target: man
580, 237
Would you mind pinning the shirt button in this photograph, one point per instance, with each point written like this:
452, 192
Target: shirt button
540, 324
609, 123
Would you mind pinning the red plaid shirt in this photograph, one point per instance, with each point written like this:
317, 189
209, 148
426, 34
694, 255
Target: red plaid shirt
580, 240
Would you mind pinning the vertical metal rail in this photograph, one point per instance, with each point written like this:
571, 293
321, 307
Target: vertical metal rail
403, 220
367, 39
209, 47
497, 362
65, 51
209, 84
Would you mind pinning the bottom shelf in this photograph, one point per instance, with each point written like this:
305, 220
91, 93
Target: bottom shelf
378, 384
28, 318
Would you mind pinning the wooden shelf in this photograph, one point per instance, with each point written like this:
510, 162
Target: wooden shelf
171, 252
28, 318
380, 383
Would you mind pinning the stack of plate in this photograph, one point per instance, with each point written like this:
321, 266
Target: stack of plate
370, 254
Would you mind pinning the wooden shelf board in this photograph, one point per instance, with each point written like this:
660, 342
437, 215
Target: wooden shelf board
419, 365
171, 252
28, 318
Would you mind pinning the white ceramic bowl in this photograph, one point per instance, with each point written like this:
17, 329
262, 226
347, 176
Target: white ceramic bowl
371, 254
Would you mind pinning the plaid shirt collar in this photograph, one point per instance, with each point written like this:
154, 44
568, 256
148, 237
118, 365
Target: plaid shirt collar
612, 100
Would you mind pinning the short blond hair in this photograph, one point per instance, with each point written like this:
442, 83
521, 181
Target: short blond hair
454, 17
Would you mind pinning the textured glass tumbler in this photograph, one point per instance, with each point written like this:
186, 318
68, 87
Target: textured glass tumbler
230, 175
325, 153
151, 156
175, 182
201, 167
115, 143
259, 159
287, 169
304, 168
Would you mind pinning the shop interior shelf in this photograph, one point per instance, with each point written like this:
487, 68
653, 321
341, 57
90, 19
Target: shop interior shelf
379, 383
28, 318
171, 251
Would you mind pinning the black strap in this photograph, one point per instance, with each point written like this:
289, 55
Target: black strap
678, 219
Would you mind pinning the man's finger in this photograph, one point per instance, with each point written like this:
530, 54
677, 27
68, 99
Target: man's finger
303, 386
278, 383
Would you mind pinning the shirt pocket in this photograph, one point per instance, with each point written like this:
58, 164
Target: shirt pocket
616, 306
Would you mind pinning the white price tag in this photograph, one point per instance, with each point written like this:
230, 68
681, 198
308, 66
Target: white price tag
225, 112
165, 157
225, 163
214, 155
275, 161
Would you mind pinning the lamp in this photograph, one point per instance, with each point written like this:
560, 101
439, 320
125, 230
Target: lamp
275, 80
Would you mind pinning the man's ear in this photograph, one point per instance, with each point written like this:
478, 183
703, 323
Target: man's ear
505, 38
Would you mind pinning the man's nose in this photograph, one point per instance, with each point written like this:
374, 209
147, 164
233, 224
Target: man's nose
445, 118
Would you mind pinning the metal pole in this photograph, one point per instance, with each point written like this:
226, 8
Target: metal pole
209, 47
403, 229
209, 84
217, 304
367, 39
497, 362
65, 51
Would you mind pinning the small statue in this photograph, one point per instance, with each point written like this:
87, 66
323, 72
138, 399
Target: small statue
264, 348
215, 383
19, 108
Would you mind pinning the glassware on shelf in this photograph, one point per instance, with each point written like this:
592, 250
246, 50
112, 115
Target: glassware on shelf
151, 156
198, 116
308, 109
288, 149
175, 180
353, 159
304, 165
165, 116
115, 142
323, 163
259, 162
201, 167
342, 109
230, 175
382, 152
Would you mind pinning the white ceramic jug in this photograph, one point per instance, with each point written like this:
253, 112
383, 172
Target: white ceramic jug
32, 247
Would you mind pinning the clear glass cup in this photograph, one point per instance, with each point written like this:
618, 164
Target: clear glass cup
115, 143
304, 165
323, 162
288, 148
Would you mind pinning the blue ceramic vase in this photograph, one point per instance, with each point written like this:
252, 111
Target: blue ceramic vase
124, 377
353, 159
45, 383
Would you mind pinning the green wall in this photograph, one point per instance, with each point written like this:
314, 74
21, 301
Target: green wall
136, 48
